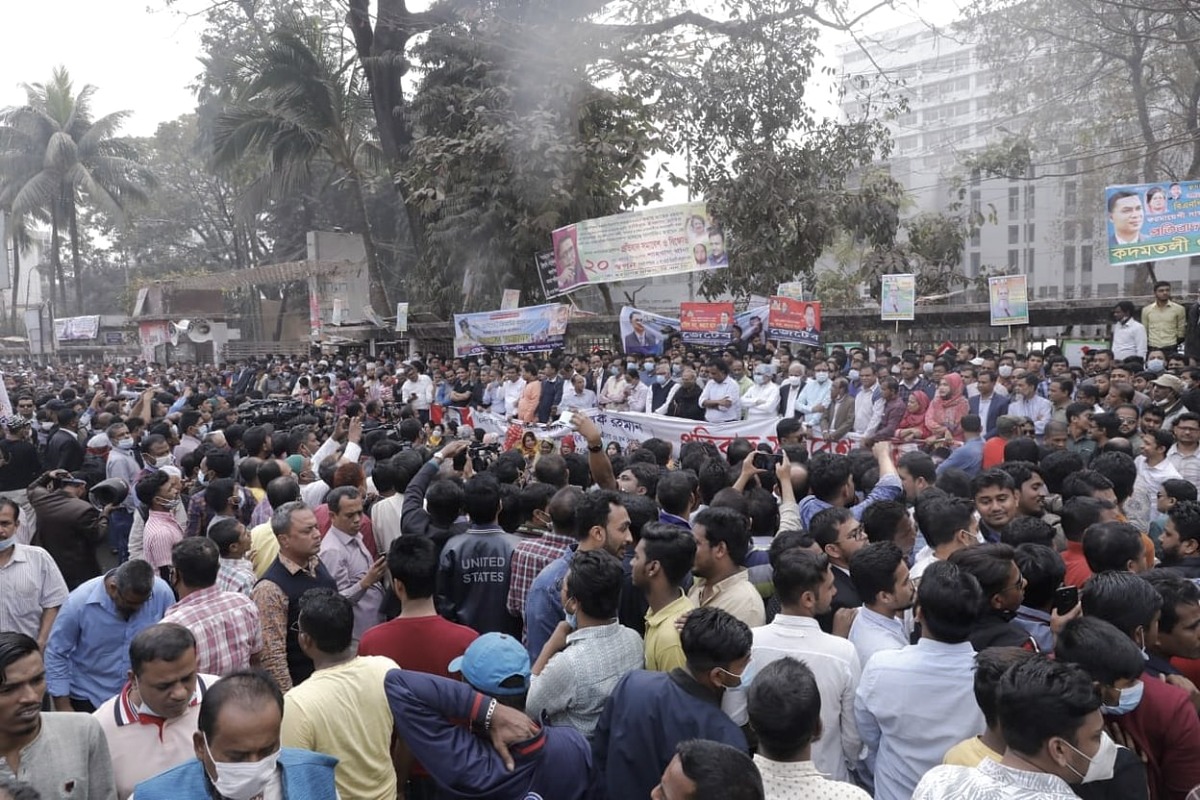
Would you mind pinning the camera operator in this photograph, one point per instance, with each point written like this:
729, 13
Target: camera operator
69, 527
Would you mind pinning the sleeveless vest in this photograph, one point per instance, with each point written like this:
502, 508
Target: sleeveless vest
306, 776
300, 666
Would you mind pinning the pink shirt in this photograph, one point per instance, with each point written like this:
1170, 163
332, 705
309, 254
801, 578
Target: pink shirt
162, 532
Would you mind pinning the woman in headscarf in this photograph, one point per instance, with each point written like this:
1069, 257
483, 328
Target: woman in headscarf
944, 417
912, 425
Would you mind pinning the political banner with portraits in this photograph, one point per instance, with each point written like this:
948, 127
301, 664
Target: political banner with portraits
1008, 300
706, 323
897, 298
643, 333
1152, 221
794, 321
520, 330
670, 240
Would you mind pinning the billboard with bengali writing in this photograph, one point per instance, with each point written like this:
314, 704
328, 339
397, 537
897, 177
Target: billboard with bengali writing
1152, 221
706, 323
521, 330
669, 240
794, 321
1008, 300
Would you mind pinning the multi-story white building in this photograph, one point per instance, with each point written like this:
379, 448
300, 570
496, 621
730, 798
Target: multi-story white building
1048, 224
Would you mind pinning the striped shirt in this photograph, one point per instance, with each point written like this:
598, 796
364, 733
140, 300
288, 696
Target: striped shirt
162, 533
29, 583
225, 625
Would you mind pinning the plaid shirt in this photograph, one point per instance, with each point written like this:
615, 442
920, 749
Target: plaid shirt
225, 625
236, 575
529, 558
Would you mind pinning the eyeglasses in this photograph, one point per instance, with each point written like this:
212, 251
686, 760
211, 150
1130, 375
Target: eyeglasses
295, 627
1020, 584
857, 534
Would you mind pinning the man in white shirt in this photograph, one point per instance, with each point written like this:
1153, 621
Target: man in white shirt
868, 403
417, 390
915, 703
1026, 402
721, 397
785, 704
789, 390
1129, 335
880, 574
576, 396
761, 400
1185, 455
512, 387
1153, 468
814, 397
804, 586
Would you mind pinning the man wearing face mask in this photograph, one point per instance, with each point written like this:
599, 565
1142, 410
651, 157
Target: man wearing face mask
815, 396
121, 464
149, 724
761, 400
1158, 718
238, 752
1049, 719
160, 495
69, 527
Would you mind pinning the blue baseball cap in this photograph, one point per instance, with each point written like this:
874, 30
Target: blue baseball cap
490, 661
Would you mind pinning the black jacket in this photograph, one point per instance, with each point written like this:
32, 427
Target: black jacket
846, 597
63, 451
415, 520
473, 578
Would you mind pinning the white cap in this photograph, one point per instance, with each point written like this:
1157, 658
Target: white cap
100, 440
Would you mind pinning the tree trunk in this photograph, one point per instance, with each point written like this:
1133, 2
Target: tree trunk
56, 270
18, 233
378, 292
73, 229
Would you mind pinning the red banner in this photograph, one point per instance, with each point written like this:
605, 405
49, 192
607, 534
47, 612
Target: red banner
791, 320
706, 323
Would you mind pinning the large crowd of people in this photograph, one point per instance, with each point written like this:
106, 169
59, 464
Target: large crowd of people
954, 574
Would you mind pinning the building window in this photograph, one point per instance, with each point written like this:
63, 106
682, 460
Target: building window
1087, 228
1070, 198
1069, 258
1030, 262
1069, 231
976, 261
1014, 259
1030, 232
1014, 234
1014, 201
1030, 197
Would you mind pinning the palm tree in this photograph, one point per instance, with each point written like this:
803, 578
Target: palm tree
299, 104
59, 157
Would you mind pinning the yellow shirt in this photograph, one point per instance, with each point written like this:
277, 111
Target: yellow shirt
1165, 326
737, 595
970, 753
663, 651
264, 545
343, 711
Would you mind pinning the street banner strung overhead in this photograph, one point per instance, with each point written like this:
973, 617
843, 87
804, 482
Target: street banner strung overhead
670, 240
794, 321
643, 332
522, 330
898, 298
1152, 221
706, 323
1008, 299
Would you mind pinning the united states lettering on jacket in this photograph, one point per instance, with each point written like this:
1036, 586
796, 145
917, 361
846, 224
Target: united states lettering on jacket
485, 569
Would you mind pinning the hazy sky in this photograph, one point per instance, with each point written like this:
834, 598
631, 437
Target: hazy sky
142, 56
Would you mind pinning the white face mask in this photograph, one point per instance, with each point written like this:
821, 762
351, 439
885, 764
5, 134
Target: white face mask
1005, 370
1101, 765
242, 781
822, 377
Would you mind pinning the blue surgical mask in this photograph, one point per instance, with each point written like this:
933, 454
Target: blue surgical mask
648, 366
630, 365
572, 620
8, 544
1131, 698
1155, 365
744, 680
822, 377
660, 379
852, 374
613, 371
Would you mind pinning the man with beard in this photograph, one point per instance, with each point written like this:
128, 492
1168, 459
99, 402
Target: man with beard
1181, 539
59, 755
684, 398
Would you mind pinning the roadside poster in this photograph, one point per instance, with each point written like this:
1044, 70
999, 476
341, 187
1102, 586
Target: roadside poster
510, 300
643, 332
521, 330
669, 240
706, 323
1152, 221
792, 289
897, 297
401, 317
794, 321
1008, 300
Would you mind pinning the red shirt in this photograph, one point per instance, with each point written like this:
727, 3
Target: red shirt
420, 644
1078, 570
993, 452
1166, 729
